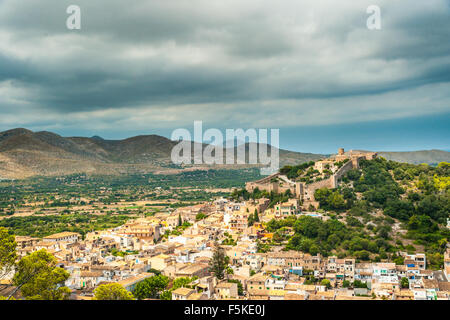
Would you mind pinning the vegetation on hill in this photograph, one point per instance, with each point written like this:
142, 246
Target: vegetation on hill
294, 171
274, 198
380, 209
306, 172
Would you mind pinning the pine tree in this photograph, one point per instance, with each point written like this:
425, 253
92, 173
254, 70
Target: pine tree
180, 222
256, 217
218, 262
250, 220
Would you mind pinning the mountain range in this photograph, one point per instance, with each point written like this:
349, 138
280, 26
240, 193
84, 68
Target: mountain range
24, 153
417, 157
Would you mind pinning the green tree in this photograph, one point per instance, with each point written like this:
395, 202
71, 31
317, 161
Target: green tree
112, 291
322, 195
151, 287
435, 260
200, 216
182, 282
326, 283
336, 201
250, 220
354, 174
166, 295
262, 247
7, 252
359, 284
405, 282
39, 279
399, 260
362, 254
218, 262
256, 216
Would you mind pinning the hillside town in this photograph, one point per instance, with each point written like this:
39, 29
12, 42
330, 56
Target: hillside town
182, 243
273, 275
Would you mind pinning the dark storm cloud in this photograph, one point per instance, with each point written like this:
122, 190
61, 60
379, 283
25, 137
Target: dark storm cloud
252, 62
110, 90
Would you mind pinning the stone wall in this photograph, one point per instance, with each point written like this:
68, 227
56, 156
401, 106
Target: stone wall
342, 171
331, 182
306, 191
309, 189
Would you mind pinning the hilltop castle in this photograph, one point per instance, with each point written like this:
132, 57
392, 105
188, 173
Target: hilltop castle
338, 165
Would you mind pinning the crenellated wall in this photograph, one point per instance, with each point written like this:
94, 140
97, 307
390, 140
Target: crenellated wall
305, 192
342, 171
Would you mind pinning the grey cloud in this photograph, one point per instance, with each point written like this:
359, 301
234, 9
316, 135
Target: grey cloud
242, 59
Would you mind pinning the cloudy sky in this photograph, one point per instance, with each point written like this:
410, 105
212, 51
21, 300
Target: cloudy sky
310, 68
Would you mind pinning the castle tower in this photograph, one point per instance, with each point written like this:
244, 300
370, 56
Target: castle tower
341, 151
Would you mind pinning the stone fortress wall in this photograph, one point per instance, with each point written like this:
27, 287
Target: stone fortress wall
305, 192
342, 171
